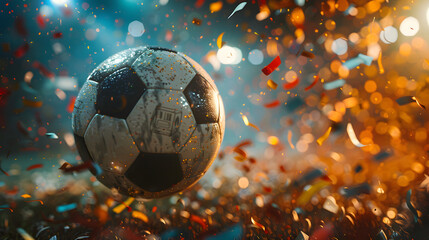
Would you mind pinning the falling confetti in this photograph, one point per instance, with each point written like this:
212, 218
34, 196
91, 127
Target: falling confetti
238, 8
275, 63
352, 136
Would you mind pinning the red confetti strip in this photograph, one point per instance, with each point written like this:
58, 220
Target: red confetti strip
21, 51
20, 27
3, 171
262, 3
244, 143
70, 106
78, 168
35, 166
4, 92
267, 70
43, 70
41, 202
199, 220
316, 79
40, 21
199, 3
240, 152
272, 104
58, 35
13, 191
291, 85
10, 209
307, 54
154, 209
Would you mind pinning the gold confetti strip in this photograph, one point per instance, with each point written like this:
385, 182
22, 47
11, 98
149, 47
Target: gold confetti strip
353, 137
289, 139
257, 224
26, 196
140, 215
219, 40
118, 209
380, 64
271, 84
324, 136
247, 123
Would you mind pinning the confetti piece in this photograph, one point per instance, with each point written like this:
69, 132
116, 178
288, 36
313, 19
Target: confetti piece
40, 201
272, 104
35, 166
305, 197
367, 60
4, 172
40, 21
66, 207
70, 105
65, 165
257, 224
358, 168
197, 21
118, 209
353, 137
57, 35
219, 40
216, 6
316, 80
352, 63
409, 99
26, 196
324, 136
51, 135
200, 221
240, 152
21, 51
140, 215
380, 64
84, 166
31, 103
24, 234
302, 235
43, 70
381, 235
8, 208
307, 54
271, 84
238, 8
334, 84
308, 177
382, 155
244, 143
291, 85
20, 27
330, 205
199, 3
363, 188
411, 207
254, 126
289, 139
274, 64
323, 233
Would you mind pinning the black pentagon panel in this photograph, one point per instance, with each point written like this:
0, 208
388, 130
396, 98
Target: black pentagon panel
83, 151
155, 172
120, 60
203, 100
162, 49
118, 93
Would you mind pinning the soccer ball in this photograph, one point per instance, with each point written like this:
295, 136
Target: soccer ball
152, 119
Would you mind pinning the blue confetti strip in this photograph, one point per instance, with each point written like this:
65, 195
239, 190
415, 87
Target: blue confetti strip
411, 207
356, 190
352, 63
308, 177
97, 168
235, 232
367, 60
67, 207
334, 84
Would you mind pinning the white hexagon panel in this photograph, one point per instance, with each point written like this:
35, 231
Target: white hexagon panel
84, 107
201, 149
110, 144
163, 69
161, 122
200, 70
